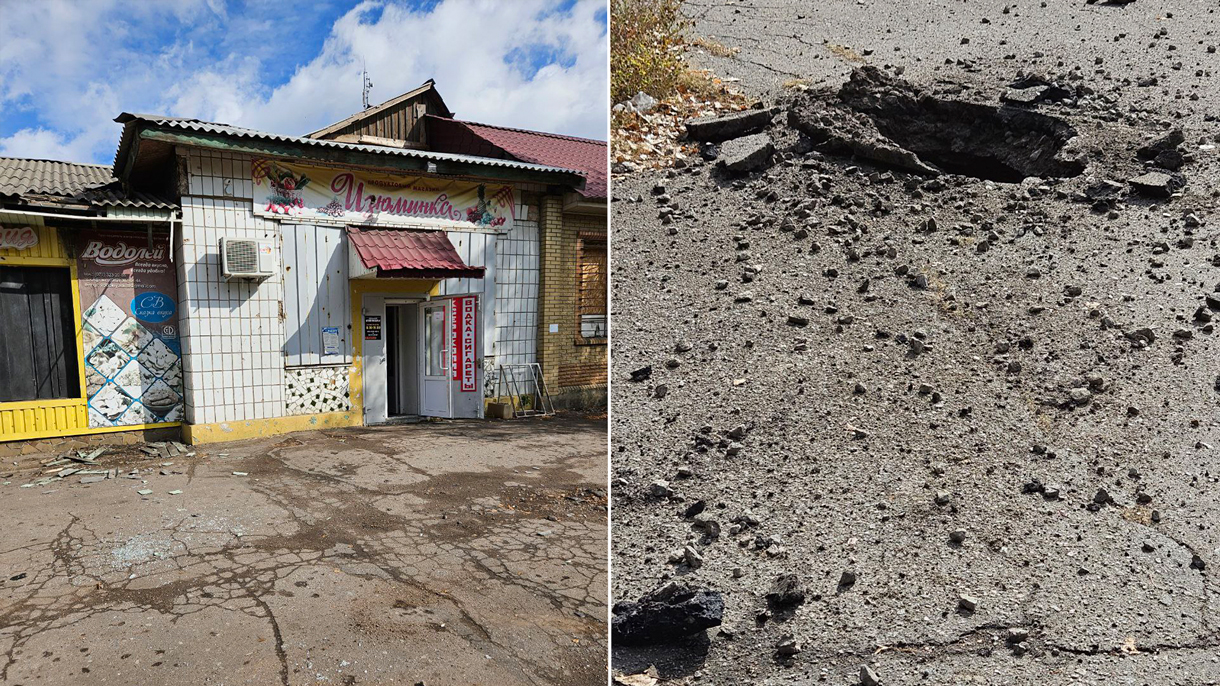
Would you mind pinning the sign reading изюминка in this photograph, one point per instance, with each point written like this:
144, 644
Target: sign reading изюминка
289, 190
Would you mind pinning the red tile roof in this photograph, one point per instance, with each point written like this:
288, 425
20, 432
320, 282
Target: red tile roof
421, 254
587, 156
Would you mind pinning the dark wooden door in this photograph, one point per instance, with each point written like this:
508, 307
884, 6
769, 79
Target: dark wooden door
38, 335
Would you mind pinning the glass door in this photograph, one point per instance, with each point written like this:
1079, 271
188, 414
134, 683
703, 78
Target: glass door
436, 358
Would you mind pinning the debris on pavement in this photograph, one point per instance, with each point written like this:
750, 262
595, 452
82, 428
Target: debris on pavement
967, 309
167, 449
667, 614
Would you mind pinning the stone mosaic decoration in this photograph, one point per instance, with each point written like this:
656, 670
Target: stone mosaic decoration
314, 390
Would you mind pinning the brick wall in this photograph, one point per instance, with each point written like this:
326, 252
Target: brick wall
568, 362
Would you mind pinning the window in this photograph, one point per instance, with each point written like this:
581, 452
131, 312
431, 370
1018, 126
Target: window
38, 361
434, 337
591, 274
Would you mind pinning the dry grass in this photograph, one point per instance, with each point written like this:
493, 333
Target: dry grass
714, 47
699, 83
844, 53
645, 47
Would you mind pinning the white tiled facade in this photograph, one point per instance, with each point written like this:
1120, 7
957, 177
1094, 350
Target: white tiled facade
233, 332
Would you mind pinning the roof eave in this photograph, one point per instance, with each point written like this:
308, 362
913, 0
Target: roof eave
415, 163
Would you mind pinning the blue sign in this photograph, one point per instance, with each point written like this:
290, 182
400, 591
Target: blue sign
152, 307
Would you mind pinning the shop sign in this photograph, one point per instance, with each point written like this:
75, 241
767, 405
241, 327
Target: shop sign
18, 238
133, 367
290, 190
465, 318
372, 327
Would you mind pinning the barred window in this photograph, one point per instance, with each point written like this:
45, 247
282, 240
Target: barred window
591, 287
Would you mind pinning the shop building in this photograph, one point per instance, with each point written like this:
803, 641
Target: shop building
229, 283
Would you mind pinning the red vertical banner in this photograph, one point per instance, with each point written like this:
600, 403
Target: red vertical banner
455, 337
465, 319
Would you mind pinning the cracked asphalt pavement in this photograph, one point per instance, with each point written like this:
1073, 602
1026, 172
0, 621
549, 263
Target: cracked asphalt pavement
978, 420
441, 553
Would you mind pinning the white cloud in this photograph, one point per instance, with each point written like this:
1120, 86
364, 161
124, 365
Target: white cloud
76, 65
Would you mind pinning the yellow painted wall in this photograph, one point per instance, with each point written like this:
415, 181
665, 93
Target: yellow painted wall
48, 253
262, 428
30, 419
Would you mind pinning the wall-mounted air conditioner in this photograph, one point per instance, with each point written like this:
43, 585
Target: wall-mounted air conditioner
244, 258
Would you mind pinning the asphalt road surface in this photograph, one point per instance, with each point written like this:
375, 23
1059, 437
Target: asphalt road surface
986, 444
454, 553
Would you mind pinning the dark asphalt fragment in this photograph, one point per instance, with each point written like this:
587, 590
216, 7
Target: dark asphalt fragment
746, 154
1158, 184
667, 614
736, 125
786, 590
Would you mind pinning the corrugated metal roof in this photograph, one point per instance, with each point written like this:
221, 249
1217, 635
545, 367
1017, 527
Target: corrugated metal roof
240, 132
407, 251
112, 195
20, 176
588, 156
90, 184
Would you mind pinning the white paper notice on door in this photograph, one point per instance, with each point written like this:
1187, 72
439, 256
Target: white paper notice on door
330, 340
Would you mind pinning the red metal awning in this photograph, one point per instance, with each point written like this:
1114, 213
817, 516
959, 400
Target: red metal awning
409, 254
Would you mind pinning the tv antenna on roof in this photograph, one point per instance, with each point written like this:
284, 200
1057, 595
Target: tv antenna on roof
368, 85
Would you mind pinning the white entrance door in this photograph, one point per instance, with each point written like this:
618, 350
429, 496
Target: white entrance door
436, 359
374, 359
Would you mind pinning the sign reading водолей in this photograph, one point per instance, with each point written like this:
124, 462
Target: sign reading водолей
133, 359
300, 192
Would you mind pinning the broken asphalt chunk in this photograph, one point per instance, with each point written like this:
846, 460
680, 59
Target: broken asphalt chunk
1158, 184
667, 614
735, 125
786, 590
746, 154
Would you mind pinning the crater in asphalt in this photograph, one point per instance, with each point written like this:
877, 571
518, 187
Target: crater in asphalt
889, 121
1003, 144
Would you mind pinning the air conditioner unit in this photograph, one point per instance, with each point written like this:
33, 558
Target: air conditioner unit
244, 258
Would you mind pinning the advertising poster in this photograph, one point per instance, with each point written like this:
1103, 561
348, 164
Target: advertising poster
133, 365
372, 327
465, 318
284, 189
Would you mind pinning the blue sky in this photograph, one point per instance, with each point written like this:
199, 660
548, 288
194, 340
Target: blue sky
68, 67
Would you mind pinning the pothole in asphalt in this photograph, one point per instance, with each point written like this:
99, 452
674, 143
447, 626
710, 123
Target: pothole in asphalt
995, 143
890, 121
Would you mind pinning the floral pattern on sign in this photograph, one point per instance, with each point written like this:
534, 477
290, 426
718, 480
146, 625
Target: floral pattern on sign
286, 187
481, 213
